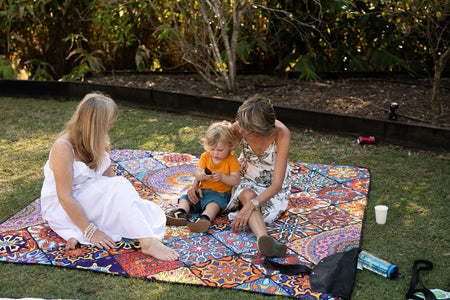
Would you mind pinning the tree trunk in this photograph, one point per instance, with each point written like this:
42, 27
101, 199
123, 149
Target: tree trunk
439, 66
435, 103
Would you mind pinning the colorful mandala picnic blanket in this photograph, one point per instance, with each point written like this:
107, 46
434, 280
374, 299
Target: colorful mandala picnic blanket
324, 216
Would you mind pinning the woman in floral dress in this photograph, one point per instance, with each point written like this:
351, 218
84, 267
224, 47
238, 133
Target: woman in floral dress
263, 192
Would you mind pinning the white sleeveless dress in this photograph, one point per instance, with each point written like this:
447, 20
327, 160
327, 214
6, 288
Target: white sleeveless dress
111, 203
257, 175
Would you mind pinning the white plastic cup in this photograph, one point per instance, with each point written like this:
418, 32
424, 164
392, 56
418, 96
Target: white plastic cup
381, 214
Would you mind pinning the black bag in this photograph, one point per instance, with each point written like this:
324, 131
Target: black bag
416, 280
333, 275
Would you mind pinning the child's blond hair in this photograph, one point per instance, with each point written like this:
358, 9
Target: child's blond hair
220, 132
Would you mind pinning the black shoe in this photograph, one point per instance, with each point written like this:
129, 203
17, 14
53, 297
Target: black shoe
177, 217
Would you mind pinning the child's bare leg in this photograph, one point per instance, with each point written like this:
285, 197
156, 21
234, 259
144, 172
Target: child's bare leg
184, 204
211, 210
153, 247
71, 244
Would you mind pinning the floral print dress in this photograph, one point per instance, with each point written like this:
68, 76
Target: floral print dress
257, 174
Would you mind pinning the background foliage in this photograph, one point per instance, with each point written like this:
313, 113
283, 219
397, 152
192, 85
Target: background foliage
53, 39
66, 39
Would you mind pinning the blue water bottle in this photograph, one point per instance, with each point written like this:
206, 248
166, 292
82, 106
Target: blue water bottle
371, 262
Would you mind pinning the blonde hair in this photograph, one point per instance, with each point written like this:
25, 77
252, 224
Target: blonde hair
88, 128
220, 132
257, 114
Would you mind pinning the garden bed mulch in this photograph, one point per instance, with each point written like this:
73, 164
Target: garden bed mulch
363, 97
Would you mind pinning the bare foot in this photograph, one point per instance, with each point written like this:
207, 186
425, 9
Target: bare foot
71, 244
153, 247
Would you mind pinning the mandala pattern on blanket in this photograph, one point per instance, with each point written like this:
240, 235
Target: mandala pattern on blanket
324, 216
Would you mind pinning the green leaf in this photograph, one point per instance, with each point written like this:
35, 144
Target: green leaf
40, 69
357, 63
6, 70
76, 72
382, 60
243, 49
305, 66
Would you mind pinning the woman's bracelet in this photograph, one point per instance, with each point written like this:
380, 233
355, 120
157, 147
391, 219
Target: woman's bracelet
89, 232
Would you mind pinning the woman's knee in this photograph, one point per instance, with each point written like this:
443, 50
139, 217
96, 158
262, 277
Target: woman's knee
246, 195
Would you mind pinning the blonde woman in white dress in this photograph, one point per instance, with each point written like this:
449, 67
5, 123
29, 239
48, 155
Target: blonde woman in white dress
262, 194
83, 201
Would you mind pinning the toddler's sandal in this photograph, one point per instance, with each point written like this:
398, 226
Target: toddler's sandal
176, 217
202, 224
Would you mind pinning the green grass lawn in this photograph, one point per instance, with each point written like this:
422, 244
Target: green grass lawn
414, 184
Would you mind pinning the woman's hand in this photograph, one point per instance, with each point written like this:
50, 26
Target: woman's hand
101, 240
241, 219
109, 172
